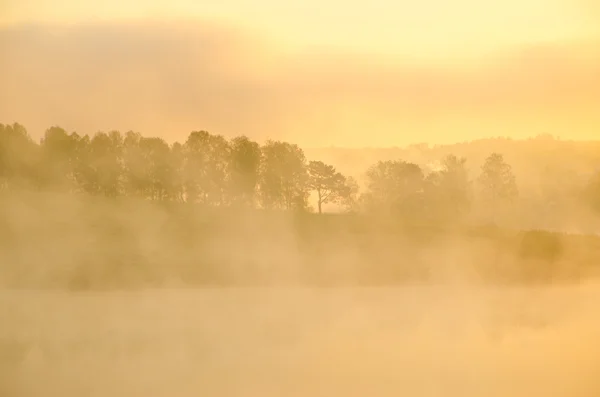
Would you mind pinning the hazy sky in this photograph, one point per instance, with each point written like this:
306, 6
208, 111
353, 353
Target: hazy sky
423, 27
317, 72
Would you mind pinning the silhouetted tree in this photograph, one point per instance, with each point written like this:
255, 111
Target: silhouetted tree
205, 168
350, 199
101, 167
244, 170
283, 176
177, 159
497, 183
212, 170
60, 153
80, 167
18, 156
136, 178
159, 168
497, 180
448, 190
216, 172
395, 186
329, 184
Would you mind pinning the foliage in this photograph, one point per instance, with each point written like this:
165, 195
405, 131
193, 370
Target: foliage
448, 190
497, 181
329, 184
214, 171
283, 176
180, 200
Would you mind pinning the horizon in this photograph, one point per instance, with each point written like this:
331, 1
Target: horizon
37, 136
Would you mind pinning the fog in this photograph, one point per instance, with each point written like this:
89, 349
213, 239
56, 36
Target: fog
203, 258
451, 333
120, 278
171, 77
414, 340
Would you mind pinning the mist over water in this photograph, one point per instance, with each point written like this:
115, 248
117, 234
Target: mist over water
149, 296
209, 255
434, 340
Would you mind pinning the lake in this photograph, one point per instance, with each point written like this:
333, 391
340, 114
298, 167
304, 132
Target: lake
442, 340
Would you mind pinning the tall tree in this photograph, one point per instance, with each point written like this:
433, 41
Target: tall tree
497, 180
283, 176
136, 178
159, 171
152, 168
18, 156
177, 158
498, 184
60, 153
244, 168
449, 190
205, 168
394, 185
329, 184
102, 164
351, 198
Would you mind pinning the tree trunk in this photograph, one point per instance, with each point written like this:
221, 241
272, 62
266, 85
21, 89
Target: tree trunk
320, 201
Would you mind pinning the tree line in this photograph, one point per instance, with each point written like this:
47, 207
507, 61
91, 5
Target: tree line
134, 242
206, 169
211, 170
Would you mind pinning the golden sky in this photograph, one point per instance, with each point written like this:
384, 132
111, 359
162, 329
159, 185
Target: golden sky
423, 27
318, 72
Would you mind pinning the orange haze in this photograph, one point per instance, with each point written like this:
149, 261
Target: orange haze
480, 69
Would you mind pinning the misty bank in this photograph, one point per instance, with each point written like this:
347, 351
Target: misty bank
82, 242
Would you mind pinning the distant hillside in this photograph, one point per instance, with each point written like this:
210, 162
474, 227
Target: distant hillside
529, 158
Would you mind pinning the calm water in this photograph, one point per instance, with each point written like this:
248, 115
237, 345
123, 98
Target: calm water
415, 341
